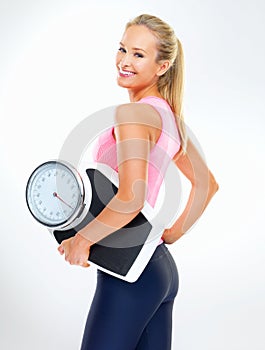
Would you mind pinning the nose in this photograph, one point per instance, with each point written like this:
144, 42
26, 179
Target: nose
125, 61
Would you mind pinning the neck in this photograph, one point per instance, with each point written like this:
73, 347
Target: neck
139, 94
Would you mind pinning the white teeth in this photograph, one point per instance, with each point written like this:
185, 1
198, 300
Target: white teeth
126, 72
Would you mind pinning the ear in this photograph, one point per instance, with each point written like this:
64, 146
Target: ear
164, 66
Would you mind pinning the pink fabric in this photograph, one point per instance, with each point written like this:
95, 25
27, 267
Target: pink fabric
166, 147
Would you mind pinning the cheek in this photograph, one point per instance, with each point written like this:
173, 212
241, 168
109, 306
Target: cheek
144, 64
141, 66
147, 69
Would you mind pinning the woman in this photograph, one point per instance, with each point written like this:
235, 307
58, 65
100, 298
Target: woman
135, 316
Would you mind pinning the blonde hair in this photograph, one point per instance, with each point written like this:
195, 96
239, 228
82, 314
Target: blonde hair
171, 83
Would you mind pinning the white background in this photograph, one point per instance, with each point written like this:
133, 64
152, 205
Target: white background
57, 67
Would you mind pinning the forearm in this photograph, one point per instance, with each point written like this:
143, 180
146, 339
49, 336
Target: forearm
114, 216
199, 198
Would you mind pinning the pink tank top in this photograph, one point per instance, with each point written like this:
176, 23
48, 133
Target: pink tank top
161, 154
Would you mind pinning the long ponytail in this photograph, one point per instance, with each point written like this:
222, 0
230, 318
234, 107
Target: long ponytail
171, 87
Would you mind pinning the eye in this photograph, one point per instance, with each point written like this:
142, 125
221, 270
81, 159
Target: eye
139, 55
121, 49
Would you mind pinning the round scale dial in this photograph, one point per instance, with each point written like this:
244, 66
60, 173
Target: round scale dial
55, 193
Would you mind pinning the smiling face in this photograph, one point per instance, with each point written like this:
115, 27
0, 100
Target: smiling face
136, 63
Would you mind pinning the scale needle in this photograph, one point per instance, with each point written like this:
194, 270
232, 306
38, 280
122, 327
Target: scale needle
57, 196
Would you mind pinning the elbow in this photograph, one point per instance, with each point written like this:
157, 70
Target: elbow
131, 205
213, 185
132, 197
137, 204
206, 184
202, 176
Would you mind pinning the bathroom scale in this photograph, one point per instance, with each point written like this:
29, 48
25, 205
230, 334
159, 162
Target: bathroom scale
65, 200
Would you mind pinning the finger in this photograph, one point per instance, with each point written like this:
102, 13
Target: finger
61, 249
85, 264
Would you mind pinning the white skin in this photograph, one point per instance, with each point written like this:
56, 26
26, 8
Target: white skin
137, 129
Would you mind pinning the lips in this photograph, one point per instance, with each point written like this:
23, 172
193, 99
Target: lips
126, 73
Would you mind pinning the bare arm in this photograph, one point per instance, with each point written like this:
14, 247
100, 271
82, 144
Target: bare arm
203, 187
136, 130
133, 147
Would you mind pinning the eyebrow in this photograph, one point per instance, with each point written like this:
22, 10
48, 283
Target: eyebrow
134, 48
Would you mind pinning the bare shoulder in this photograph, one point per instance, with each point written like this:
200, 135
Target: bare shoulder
138, 113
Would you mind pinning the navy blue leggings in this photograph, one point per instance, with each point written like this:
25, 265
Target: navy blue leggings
134, 316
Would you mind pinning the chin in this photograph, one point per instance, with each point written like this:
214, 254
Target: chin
122, 84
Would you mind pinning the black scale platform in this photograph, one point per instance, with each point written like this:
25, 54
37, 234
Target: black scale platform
109, 252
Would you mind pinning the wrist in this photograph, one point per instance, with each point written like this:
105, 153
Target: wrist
81, 238
177, 229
